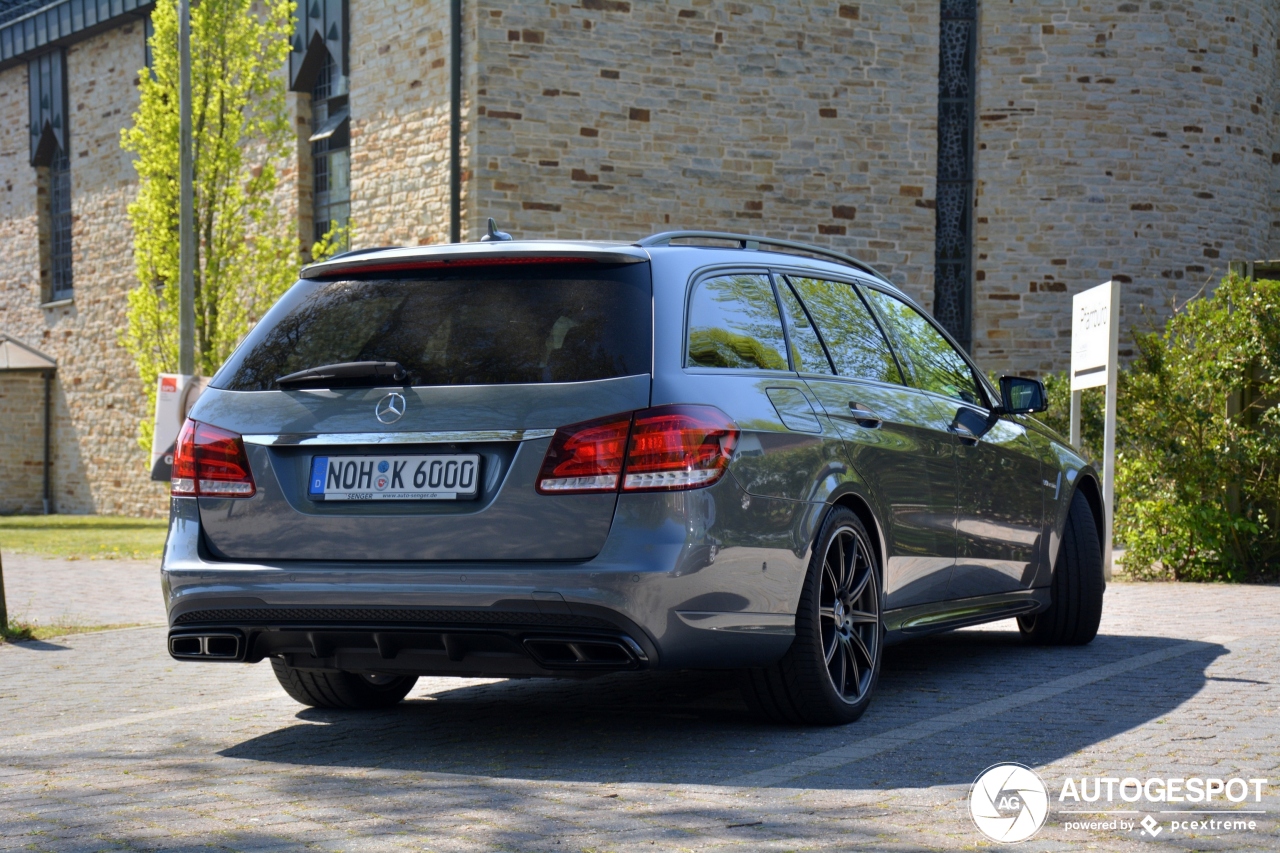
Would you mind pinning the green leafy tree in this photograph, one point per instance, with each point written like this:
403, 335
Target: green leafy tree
247, 254
332, 242
1198, 476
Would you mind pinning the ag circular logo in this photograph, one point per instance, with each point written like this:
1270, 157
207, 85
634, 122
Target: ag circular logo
1008, 802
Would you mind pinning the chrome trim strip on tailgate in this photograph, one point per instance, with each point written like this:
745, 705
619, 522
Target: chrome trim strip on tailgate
354, 438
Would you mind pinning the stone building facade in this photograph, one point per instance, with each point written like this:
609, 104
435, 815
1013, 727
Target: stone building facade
1074, 141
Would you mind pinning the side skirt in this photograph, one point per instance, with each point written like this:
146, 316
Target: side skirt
905, 623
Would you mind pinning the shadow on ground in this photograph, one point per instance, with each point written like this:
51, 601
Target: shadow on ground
692, 727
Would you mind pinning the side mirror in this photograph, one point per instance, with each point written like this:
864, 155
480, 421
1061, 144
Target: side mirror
1020, 395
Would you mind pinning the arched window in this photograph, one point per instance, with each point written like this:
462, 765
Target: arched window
46, 79
330, 152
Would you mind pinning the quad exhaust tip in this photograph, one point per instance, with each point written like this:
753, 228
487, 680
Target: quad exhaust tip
211, 646
585, 652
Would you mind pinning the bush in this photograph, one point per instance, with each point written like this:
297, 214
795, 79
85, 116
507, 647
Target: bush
1198, 471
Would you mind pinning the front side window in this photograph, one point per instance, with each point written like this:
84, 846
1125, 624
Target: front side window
483, 327
853, 338
935, 365
734, 323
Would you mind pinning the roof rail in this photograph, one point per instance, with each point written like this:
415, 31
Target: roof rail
750, 243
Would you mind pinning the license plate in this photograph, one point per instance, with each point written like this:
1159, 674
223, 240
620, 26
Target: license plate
394, 478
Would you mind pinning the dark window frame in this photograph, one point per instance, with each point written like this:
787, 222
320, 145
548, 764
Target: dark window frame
325, 100
912, 381
695, 282
854, 285
60, 249
781, 280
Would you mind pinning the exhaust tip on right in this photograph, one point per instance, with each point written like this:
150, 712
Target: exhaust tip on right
582, 653
219, 646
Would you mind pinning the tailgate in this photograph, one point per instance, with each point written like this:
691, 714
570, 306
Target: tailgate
505, 429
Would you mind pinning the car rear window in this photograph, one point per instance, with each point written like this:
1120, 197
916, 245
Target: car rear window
492, 326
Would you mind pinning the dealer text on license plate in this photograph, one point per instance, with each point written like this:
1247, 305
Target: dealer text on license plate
397, 478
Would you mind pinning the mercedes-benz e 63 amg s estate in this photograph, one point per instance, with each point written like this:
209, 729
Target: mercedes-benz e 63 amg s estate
557, 458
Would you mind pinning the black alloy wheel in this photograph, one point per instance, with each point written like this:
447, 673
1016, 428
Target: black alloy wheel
829, 674
849, 613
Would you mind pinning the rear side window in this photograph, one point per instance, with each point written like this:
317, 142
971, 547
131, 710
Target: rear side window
734, 323
479, 327
853, 338
807, 353
934, 363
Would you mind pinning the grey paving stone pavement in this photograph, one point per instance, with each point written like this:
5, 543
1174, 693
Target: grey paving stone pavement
107, 744
83, 592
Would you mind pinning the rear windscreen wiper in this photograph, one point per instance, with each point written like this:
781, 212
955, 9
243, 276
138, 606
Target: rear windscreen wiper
345, 375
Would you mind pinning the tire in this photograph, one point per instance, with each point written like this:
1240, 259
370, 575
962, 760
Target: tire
342, 690
1076, 592
803, 688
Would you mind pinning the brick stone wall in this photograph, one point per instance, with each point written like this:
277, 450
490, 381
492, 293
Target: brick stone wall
1134, 140
21, 442
400, 122
98, 465
809, 121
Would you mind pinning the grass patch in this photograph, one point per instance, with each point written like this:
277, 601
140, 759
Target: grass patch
18, 632
83, 537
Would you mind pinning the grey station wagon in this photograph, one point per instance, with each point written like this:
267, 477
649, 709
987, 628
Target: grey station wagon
555, 458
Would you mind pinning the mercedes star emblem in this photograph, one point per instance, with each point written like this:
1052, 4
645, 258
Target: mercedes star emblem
390, 408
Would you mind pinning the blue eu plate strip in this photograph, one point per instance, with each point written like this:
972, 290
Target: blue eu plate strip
319, 466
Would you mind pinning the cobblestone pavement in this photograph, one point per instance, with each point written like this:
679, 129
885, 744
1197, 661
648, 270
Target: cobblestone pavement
83, 592
107, 744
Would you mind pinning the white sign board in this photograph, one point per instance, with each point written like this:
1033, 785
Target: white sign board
1095, 342
1092, 342
175, 395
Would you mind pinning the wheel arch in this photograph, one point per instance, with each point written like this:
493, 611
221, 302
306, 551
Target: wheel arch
1088, 487
862, 509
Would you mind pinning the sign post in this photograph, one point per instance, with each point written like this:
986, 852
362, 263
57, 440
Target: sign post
176, 393
1095, 341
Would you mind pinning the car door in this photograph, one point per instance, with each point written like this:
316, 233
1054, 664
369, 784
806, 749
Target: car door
1000, 498
737, 360
893, 437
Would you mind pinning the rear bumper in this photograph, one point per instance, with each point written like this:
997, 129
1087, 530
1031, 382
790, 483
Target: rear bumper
685, 580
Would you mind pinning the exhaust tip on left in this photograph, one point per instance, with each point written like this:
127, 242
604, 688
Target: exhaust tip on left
213, 645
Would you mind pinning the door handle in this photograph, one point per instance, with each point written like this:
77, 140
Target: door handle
861, 415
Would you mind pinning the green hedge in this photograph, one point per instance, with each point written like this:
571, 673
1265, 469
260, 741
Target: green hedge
1198, 440
1199, 477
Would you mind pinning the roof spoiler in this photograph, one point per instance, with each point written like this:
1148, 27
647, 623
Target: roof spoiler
496, 253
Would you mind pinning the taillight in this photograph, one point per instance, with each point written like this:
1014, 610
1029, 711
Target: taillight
182, 482
661, 449
210, 462
678, 447
585, 457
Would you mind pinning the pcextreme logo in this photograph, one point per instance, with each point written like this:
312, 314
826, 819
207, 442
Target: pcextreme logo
1008, 802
